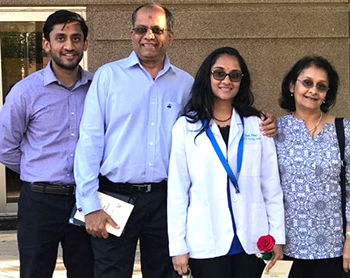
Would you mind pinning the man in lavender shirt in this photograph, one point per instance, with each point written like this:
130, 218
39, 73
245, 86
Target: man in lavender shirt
39, 126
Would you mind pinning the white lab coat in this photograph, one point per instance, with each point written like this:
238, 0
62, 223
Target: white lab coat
199, 220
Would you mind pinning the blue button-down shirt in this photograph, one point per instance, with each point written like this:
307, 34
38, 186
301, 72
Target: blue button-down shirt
125, 132
39, 126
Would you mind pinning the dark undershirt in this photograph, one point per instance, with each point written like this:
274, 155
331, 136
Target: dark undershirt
236, 246
225, 131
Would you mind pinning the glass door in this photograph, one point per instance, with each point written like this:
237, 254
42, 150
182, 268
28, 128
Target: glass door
21, 55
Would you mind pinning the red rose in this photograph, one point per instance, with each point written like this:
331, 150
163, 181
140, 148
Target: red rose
266, 243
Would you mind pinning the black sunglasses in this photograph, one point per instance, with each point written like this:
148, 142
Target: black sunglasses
141, 30
235, 75
308, 84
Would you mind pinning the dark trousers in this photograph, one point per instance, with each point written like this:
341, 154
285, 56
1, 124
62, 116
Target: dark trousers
42, 225
233, 266
324, 268
114, 256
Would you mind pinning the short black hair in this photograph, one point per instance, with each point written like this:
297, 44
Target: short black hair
168, 15
63, 16
287, 101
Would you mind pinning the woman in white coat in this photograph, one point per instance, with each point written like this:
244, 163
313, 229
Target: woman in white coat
213, 224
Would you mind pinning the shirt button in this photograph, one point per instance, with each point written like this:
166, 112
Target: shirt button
71, 154
152, 123
152, 102
72, 134
151, 143
68, 175
72, 113
149, 164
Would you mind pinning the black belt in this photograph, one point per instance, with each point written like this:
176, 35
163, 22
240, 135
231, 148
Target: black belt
132, 187
51, 188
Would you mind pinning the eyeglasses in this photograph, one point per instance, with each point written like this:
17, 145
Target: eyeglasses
309, 84
235, 75
141, 30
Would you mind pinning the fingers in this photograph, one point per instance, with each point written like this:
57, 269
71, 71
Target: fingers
346, 264
269, 130
268, 124
112, 223
182, 270
270, 264
95, 224
180, 264
278, 255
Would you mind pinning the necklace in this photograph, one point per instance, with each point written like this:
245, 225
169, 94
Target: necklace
312, 130
222, 121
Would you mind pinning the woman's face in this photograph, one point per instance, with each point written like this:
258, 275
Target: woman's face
310, 89
226, 89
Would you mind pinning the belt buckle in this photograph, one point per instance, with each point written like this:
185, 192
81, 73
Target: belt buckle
145, 188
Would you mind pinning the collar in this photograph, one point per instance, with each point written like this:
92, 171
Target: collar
134, 60
50, 77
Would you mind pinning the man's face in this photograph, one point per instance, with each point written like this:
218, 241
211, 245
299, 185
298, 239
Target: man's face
151, 47
66, 45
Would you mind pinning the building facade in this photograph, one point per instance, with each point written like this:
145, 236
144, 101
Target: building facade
270, 34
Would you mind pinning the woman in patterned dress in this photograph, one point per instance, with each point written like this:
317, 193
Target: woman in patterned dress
309, 165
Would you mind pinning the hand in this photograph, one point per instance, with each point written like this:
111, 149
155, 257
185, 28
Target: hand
277, 255
268, 126
180, 263
95, 223
346, 254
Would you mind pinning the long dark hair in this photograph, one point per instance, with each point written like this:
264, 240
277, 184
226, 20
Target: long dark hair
201, 104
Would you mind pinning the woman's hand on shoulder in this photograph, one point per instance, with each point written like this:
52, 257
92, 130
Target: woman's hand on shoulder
268, 126
180, 263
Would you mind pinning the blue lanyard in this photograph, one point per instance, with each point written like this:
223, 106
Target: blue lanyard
222, 158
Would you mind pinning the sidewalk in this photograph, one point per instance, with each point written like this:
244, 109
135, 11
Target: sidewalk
9, 263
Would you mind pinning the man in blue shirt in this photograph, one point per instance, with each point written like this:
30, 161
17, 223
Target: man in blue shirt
39, 126
125, 138
124, 146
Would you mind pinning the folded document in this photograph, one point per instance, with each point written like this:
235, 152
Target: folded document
118, 207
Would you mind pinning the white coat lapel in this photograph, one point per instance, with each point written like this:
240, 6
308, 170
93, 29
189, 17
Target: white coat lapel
236, 127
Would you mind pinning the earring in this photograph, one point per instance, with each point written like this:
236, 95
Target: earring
324, 101
291, 94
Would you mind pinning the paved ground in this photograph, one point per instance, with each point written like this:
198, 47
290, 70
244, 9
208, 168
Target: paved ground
9, 263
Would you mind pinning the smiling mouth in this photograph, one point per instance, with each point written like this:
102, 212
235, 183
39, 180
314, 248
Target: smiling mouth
149, 45
225, 88
69, 55
310, 98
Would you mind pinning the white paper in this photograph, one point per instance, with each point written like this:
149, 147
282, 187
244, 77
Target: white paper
117, 209
281, 269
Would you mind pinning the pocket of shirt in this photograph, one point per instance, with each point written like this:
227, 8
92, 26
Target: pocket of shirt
170, 112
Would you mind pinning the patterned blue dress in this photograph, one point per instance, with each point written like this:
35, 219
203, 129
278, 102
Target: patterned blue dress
309, 170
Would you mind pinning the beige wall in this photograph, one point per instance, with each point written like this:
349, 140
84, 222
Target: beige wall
270, 34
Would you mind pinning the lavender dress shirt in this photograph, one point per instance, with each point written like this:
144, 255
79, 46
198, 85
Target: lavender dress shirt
39, 126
